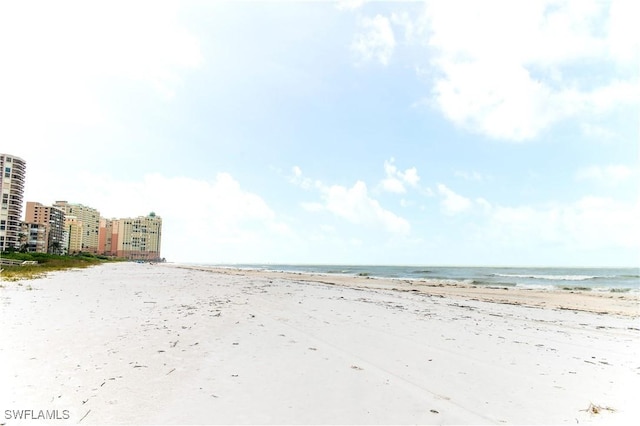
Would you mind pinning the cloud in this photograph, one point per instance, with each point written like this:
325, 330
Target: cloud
589, 223
597, 226
451, 202
60, 59
354, 205
505, 78
594, 131
412, 27
203, 220
375, 41
396, 180
471, 176
391, 184
349, 4
301, 181
505, 104
590, 230
623, 40
613, 174
410, 176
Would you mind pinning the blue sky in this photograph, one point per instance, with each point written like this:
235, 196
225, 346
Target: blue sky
437, 133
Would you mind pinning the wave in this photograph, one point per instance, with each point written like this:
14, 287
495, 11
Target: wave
549, 277
620, 290
493, 283
577, 288
548, 287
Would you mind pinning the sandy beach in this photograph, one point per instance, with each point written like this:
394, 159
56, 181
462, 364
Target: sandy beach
127, 343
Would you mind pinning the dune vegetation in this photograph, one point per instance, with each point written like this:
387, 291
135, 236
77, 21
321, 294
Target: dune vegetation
29, 269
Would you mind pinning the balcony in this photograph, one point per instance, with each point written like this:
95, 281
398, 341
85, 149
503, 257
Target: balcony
18, 165
16, 189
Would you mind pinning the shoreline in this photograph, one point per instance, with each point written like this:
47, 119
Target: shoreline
133, 343
549, 278
617, 303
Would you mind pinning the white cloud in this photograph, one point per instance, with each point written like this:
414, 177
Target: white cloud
392, 184
451, 202
395, 180
504, 103
500, 64
375, 41
59, 59
599, 132
203, 220
413, 27
349, 4
301, 181
410, 176
609, 175
356, 206
472, 176
624, 38
589, 223
596, 222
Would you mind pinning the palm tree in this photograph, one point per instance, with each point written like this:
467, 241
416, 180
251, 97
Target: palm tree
22, 241
55, 247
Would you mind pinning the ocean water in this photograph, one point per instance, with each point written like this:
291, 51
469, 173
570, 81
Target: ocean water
555, 278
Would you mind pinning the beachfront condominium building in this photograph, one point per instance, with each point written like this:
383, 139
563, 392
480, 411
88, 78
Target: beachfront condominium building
13, 170
136, 238
36, 236
54, 230
73, 233
105, 234
89, 221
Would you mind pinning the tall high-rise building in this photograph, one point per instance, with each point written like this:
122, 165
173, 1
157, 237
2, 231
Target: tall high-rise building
89, 218
37, 235
13, 171
136, 238
73, 228
105, 236
53, 220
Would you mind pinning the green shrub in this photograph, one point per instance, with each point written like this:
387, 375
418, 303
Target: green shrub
47, 263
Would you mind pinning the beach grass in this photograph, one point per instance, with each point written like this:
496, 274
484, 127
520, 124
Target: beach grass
46, 263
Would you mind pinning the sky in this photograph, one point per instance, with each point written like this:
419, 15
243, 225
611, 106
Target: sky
494, 133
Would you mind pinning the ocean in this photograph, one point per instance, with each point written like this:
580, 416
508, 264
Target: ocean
553, 278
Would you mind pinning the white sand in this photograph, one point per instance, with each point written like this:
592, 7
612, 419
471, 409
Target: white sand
141, 344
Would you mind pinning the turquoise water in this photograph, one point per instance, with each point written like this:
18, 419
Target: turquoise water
596, 279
